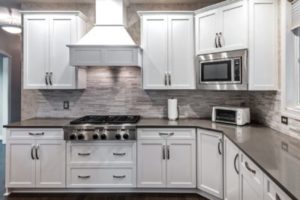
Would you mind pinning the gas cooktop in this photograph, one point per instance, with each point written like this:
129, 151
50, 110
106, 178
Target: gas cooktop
107, 119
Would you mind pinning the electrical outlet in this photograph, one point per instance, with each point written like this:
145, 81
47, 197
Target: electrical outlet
66, 105
284, 120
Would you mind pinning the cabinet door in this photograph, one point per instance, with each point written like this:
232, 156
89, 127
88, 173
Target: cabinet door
263, 37
155, 51
210, 163
181, 164
181, 52
151, 163
50, 163
251, 180
36, 51
20, 164
62, 33
234, 32
231, 171
206, 30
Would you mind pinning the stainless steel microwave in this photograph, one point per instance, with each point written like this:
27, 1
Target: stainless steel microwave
223, 71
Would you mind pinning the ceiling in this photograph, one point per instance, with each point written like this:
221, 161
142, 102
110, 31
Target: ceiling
92, 1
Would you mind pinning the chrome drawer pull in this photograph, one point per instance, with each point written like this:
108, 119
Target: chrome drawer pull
37, 150
84, 177
248, 167
219, 146
32, 150
163, 134
84, 154
119, 154
119, 177
163, 152
168, 152
36, 134
234, 163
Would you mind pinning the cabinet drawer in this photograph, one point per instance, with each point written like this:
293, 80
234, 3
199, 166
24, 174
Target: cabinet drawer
273, 192
101, 154
101, 177
166, 133
35, 134
251, 173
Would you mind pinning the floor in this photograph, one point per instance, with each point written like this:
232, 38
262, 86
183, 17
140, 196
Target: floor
88, 196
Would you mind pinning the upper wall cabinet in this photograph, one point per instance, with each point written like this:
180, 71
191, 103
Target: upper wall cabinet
168, 50
46, 56
222, 29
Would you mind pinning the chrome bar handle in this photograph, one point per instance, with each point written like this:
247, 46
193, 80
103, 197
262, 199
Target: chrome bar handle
84, 177
37, 149
169, 77
119, 154
219, 146
249, 168
119, 177
84, 154
46, 78
32, 154
277, 196
166, 78
220, 39
168, 152
36, 134
50, 78
163, 134
216, 40
163, 152
234, 163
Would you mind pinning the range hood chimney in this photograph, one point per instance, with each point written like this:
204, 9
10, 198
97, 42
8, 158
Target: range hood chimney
108, 43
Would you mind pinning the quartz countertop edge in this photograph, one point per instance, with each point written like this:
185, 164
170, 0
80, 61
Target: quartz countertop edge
261, 144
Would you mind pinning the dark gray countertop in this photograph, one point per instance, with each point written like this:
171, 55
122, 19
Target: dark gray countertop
262, 144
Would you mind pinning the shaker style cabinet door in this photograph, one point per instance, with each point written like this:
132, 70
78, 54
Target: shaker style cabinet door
50, 163
36, 51
151, 155
231, 171
181, 52
62, 32
210, 162
233, 21
181, 165
155, 51
207, 27
20, 164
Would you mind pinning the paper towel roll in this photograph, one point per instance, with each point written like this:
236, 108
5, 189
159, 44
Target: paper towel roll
172, 109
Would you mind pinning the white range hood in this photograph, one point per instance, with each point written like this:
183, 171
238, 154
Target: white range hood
108, 43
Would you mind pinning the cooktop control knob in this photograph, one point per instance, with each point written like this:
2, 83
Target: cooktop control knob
80, 136
95, 136
103, 136
72, 136
125, 136
118, 136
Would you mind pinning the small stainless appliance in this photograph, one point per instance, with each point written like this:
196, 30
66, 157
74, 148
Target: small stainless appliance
231, 115
102, 128
223, 71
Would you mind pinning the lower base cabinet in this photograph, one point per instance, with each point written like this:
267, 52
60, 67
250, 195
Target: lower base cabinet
210, 162
35, 164
168, 159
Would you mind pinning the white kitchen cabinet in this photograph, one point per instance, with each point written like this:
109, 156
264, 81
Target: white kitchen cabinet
50, 164
168, 59
221, 28
251, 180
36, 162
46, 56
151, 163
231, 171
210, 162
166, 160
181, 163
263, 45
272, 191
20, 164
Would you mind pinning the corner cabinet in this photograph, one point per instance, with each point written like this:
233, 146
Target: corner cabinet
166, 158
221, 29
210, 162
46, 55
35, 159
167, 40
